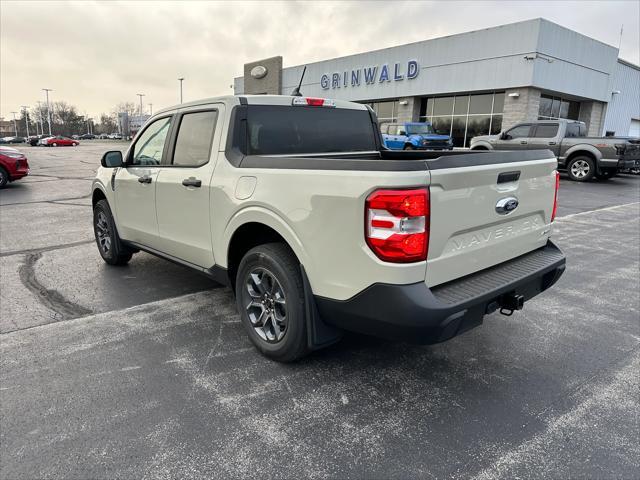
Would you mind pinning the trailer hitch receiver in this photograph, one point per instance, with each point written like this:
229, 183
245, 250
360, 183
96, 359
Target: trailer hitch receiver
511, 302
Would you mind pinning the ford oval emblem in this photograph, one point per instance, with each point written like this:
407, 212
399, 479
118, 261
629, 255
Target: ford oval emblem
506, 205
258, 71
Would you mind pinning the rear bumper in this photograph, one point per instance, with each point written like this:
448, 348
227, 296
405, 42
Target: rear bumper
419, 314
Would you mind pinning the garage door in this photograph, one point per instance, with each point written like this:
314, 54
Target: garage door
634, 129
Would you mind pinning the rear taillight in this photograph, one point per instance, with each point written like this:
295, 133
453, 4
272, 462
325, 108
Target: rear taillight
555, 197
397, 224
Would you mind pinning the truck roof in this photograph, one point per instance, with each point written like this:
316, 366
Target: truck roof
283, 100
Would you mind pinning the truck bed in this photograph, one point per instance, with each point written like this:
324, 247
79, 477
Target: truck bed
390, 161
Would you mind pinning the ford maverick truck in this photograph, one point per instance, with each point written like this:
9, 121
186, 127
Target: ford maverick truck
294, 203
414, 136
583, 157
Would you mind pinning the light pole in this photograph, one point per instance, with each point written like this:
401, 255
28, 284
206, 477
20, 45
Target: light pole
181, 80
40, 118
151, 109
140, 95
26, 117
15, 125
47, 90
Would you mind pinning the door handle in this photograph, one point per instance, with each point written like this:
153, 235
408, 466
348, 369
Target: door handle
144, 179
523, 142
552, 143
192, 182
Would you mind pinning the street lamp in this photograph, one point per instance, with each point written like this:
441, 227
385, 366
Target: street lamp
47, 90
26, 117
151, 109
15, 125
140, 95
180, 80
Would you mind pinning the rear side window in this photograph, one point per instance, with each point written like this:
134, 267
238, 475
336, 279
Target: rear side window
546, 130
195, 134
575, 130
274, 130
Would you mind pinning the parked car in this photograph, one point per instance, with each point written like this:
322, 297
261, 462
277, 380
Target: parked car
60, 141
114, 136
414, 136
326, 230
583, 157
13, 165
103, 136
44, 139
87, 136
14, 139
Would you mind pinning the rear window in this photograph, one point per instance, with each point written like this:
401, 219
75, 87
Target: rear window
275, 130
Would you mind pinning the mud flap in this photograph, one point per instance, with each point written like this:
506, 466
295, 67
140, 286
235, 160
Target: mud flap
319, 334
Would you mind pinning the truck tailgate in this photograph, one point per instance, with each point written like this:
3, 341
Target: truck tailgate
468, 230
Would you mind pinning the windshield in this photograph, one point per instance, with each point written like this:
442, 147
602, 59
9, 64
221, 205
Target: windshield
280, 130
423, 129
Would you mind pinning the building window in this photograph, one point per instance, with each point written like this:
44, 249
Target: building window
387, 112
464, 116
553, 108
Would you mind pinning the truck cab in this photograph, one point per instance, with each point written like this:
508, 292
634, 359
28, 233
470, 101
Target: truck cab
414, 136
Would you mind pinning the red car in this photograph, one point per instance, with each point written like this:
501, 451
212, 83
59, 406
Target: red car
13, 165
60, 141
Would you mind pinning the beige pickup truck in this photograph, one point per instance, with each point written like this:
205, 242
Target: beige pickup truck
293, 203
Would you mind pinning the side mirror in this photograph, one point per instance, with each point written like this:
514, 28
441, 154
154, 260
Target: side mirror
112, 159
402, 132
505, 136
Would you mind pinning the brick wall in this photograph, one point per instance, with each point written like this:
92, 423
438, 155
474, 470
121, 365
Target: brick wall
523, 108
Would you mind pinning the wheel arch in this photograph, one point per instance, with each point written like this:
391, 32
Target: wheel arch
97, 195
253, 227
581, 151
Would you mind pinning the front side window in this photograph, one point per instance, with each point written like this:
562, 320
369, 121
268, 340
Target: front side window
149, 147
521, 131
193, 144
546, 130
425, 129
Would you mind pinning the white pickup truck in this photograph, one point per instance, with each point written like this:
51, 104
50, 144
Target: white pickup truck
293, 202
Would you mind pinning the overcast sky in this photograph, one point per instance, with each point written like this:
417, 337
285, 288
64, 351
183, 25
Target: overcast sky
97, 54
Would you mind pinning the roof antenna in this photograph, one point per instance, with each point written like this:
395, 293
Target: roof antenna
296, 91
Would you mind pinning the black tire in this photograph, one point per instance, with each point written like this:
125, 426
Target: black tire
261, 301
408, 146
109, 244
4, 177
606, 173
581, 169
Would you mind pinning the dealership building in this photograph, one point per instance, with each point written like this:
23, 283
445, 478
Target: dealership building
475, 83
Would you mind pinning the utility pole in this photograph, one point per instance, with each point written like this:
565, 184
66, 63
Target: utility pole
181, 79
40, 118
15, 125
151, 109
87, 119
26, 117
47, 90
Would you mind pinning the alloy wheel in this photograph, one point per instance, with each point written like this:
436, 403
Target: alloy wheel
580, 168
265, 305
102, 232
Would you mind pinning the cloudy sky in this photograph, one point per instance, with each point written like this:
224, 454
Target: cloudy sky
97, 54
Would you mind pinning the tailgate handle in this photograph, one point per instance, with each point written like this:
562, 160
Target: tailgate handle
507, 177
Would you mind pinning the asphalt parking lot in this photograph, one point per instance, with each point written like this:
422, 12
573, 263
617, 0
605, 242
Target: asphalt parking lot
144, 371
